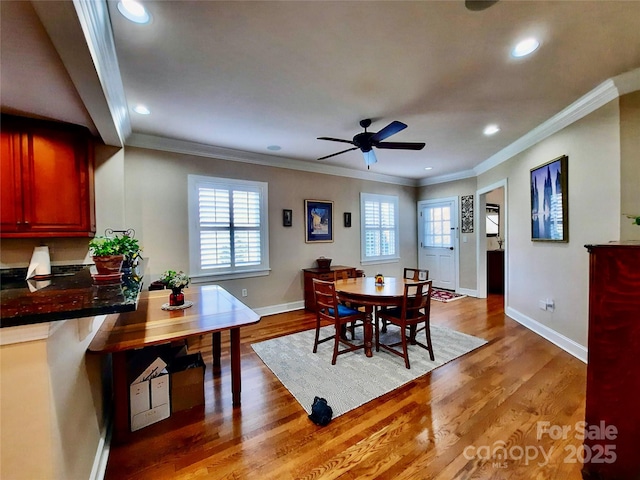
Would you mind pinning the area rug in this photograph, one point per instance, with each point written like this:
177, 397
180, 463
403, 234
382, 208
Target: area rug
355, 379
445, 295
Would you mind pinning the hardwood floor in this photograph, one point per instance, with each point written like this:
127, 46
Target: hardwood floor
448, 424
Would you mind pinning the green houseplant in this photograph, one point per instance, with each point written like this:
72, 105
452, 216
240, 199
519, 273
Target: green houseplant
109, 253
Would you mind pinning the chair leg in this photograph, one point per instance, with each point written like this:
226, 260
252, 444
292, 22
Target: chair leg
427, 330
404, 347
376, 326
336, 345
315, 343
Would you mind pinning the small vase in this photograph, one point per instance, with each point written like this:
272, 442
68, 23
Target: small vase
176, 298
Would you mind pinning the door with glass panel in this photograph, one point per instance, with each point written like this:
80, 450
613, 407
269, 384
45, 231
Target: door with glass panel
438, 241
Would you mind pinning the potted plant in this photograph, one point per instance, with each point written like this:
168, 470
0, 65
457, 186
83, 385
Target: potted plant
130, 248
176, 281
109, 253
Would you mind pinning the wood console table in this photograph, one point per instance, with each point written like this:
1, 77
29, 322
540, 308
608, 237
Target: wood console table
214, 311
332, 274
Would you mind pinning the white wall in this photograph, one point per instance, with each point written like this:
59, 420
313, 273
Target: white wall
559, 271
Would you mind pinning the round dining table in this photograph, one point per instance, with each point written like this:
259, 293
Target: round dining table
366, 292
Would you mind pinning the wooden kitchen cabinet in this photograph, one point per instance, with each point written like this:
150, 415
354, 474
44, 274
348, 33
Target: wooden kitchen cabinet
46, 179
329, 275
613, 369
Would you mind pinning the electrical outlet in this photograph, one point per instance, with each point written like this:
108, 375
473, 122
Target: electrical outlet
551, 305
244, 292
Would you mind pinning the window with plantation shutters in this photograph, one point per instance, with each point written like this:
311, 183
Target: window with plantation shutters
379, 228
228, 227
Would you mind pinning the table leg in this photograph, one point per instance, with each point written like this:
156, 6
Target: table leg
368, 330
216, 348
121, 397
235, 366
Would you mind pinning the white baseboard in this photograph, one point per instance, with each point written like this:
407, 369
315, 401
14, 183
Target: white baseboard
102, 452
281, 308
468, 292
565, 343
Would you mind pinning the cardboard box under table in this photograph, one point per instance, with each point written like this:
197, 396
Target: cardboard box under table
149, 393
187, 382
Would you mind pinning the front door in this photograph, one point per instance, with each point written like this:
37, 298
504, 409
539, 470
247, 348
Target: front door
438, 241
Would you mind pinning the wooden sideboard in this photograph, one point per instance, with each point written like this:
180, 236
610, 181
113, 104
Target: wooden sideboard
613, 378
330, 274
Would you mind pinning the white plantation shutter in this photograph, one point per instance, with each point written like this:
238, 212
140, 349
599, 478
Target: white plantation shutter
228, 226
379, 227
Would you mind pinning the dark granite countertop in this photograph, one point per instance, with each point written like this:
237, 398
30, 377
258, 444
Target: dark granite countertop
64, 296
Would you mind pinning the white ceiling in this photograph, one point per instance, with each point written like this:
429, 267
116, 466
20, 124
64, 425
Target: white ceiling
247, 75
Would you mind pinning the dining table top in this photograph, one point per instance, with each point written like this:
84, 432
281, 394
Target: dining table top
366, 287
213, 310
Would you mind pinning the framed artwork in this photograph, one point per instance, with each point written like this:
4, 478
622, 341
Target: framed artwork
347, 219
467, 213
549, 201
287, 218
318, 221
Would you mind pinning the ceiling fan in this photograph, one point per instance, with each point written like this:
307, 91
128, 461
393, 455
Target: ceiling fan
365, 141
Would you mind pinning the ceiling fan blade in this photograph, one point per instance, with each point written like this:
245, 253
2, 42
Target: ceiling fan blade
391, 129
334, 154
335, 140
401, 145
369, 157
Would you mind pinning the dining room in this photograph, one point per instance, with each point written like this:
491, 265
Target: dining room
522, 373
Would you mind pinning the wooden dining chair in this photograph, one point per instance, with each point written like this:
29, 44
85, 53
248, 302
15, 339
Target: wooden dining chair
414, 274
330, 311
344, 275
414, 312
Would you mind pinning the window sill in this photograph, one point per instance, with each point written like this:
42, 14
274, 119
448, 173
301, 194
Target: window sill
207, 278
380, 261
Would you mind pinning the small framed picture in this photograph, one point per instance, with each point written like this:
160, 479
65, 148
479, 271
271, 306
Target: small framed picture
318, 221
347, 219
287, 218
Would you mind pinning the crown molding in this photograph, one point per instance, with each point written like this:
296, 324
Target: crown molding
598, 97
447, 178
153, 142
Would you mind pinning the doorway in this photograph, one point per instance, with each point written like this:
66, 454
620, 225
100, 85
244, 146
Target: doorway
492, 258
438, 241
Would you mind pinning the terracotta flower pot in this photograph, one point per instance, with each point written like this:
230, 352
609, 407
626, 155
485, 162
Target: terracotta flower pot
108, 264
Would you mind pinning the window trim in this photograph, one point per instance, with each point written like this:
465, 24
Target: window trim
195, 182
374, 197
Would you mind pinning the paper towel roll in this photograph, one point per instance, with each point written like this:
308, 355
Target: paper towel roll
40, 264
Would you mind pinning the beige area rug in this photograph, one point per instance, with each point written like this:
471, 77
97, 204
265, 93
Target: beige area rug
355, 379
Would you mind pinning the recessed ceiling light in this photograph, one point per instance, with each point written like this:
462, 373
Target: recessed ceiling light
525, 47
134, 11
428, 168
274, 148
491, 129
141, 109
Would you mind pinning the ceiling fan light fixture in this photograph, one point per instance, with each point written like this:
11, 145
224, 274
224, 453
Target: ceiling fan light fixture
525, 47
491, 129
134, 11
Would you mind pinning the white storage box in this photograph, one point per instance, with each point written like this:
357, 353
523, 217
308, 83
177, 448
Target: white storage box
149, 395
